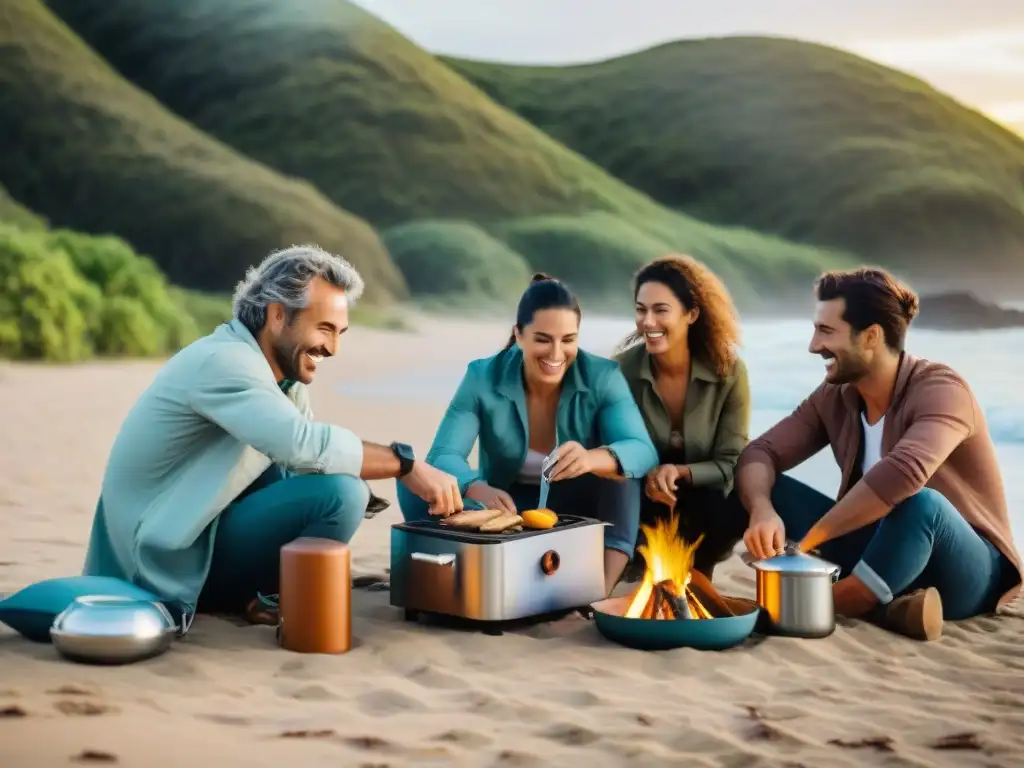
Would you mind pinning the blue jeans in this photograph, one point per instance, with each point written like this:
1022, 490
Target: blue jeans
275, 510
922, 542
611, 501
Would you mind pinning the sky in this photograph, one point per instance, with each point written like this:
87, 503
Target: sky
971, 49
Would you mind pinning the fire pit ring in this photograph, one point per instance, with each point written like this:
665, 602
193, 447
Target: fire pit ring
714, 634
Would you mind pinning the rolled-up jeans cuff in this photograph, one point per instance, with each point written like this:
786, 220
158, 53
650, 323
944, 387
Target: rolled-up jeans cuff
875, 583
612, 541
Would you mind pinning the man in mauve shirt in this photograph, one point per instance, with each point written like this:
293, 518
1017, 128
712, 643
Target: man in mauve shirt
920, 528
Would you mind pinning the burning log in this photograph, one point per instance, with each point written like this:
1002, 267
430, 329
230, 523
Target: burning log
704, 592
651, 608
666, 591
667, 601
675, 600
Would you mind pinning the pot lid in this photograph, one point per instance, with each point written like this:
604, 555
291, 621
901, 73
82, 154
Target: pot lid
794, 561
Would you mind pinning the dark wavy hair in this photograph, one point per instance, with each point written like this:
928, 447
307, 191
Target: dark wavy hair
872, 296
544, 292
715, 335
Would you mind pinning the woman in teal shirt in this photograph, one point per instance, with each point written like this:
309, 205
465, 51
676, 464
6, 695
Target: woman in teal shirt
543, 396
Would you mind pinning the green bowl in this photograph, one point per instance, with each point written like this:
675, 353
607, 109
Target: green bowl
662, 634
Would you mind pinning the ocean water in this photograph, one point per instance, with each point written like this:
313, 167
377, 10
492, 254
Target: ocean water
782, 372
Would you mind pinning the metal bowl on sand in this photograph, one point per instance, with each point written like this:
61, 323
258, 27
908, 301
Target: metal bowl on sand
103, 629
674, 606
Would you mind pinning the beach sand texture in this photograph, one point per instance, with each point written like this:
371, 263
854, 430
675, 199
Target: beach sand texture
556, 694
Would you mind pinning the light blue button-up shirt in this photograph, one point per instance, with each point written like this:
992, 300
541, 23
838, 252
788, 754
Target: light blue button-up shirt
210, 423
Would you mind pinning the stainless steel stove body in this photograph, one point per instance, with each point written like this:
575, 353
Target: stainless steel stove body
497, 577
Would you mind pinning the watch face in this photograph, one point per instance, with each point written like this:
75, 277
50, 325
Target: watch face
404, 451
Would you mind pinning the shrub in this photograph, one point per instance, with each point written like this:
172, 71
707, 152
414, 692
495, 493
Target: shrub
597, 253
126, 328
110, 264
444, 258
66, 296
44, 301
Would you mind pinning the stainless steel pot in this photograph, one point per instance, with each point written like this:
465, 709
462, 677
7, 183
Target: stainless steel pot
101, 629
794, 591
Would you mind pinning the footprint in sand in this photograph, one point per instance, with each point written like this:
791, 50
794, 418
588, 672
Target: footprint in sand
482, 703
226, 719
315, 692
86, 708
570, 735
429, 677
95, 756
575, 698
179, 669
292, 668
464, 738
370, 743
511, 757
383, 702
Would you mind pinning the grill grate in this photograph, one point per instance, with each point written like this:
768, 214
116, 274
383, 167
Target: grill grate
433, 527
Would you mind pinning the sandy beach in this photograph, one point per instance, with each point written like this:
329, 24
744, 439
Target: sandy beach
554, 694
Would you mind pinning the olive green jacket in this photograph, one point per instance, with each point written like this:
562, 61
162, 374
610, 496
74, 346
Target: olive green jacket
716, 417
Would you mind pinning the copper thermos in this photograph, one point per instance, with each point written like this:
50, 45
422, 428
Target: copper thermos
315, 606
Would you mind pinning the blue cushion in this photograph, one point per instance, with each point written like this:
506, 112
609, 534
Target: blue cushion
31, 611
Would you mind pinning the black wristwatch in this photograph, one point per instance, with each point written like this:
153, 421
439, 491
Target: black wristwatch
406, 458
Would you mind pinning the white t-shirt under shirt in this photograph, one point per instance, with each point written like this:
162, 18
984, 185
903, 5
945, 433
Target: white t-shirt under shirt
529, 473
872, 442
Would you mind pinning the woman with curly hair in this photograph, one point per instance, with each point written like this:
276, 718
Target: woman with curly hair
685, 374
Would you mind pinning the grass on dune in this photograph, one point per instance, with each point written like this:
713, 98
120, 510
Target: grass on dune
13, 212
327, 92
90, 151
445, 259
809, 142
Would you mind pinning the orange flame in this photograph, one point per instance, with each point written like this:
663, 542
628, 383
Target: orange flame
668, 558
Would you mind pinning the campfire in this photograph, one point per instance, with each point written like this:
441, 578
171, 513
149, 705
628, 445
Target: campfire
670, 588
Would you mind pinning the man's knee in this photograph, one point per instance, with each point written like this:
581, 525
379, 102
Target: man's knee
923, 508
344, 496
343, 501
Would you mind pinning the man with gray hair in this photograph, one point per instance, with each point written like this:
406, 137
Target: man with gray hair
220, 463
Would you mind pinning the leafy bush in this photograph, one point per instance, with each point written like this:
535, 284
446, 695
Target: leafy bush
208, 310
156, 324
597, 254
44, 301
66, 296
442, 258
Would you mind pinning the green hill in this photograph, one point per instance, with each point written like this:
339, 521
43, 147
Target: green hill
13, 212
91, 152
802, 140
327, 92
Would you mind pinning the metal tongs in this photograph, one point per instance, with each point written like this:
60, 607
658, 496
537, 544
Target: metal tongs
545, 484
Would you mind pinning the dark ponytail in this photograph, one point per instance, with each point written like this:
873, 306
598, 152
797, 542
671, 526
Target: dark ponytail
544, 292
